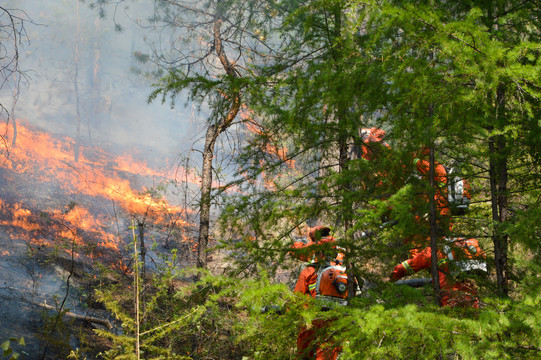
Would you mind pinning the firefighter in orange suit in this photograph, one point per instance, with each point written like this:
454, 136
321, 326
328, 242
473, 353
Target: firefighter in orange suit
373, 140
306, 250
443, 211
320, 281
314, 255
375, 150
422, 167
458, 260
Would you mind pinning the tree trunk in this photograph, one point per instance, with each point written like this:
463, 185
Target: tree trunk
98, 106
14, 140
13, 106
498, 198
498, 193
206, 187
213, 131
143, 249
348, 223
136, 293
92, 319
434, 270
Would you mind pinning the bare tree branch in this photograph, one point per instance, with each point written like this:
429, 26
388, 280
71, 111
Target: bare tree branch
12, 35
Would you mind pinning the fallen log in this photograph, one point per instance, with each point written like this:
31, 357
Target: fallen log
415, 283
16, 295
92, 319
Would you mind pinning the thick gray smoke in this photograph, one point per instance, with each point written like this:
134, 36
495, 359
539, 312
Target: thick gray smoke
112, 96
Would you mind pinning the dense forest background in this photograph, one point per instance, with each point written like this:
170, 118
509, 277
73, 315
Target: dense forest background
284, 92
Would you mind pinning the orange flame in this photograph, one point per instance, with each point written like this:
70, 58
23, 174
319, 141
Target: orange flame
272, 149
49, 159
42, 158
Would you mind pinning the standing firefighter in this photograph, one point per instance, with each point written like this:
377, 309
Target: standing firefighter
373, 143
458, 263
376, 155
324, 279
420, 214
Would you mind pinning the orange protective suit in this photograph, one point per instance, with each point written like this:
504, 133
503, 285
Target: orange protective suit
443, 211
454, 292
306, 283
373, 142
307, 345
440, 181
375, 150
310, 251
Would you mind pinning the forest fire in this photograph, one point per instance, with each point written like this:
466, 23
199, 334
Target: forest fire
54, 227
86, 195
270, 148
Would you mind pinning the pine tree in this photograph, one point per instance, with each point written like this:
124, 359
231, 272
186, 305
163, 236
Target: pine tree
459, 79
432, 75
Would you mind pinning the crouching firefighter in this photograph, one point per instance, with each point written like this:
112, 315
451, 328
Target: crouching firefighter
325, 280
459, 262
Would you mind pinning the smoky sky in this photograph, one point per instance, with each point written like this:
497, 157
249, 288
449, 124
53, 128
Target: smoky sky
112, 90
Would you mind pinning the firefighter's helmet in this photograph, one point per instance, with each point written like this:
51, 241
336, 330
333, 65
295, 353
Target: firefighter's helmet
319, 232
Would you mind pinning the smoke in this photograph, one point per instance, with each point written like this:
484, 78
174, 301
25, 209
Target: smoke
115, 118
112, 93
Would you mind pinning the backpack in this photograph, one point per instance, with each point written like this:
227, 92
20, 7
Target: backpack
458, 193
332, 282
466, 257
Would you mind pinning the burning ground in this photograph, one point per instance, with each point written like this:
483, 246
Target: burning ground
59, 219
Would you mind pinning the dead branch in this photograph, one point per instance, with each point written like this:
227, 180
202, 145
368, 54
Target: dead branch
91, 319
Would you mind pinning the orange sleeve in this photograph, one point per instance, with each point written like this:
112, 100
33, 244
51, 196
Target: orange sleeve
303, 255
440, 174
422, 167
440, 182
307, 277
411, 266
399, 272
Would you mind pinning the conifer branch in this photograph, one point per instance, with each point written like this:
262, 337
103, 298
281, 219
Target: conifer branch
168, 324
473, 47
